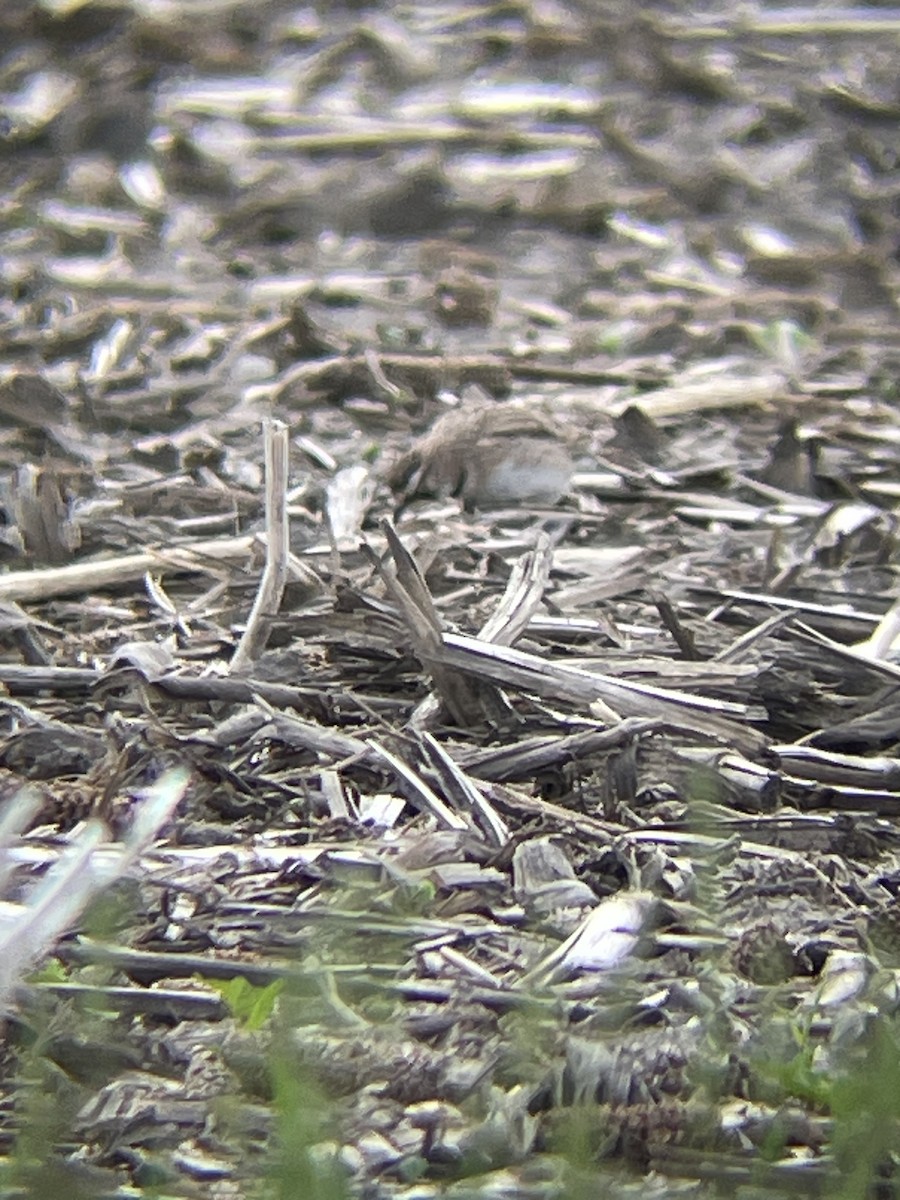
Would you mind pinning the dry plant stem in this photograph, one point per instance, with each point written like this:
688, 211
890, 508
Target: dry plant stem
788, 22
682, 710
524, 592
164, 1003
456, 781
409, 369
419, 794
410, 593
62, 681
259, 975
885, 635
848, 653
740, 645
271, 586
718, 393
389, 137
94, 576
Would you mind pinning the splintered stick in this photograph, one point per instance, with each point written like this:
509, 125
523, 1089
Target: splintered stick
271, 585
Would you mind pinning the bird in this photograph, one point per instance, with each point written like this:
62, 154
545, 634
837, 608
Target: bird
488, 455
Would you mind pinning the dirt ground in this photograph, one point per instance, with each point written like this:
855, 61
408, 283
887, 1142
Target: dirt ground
448, 477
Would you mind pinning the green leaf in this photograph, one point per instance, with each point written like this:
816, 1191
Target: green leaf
250, 1006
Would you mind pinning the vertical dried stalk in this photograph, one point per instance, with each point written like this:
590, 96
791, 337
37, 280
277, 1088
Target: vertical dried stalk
271, 586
